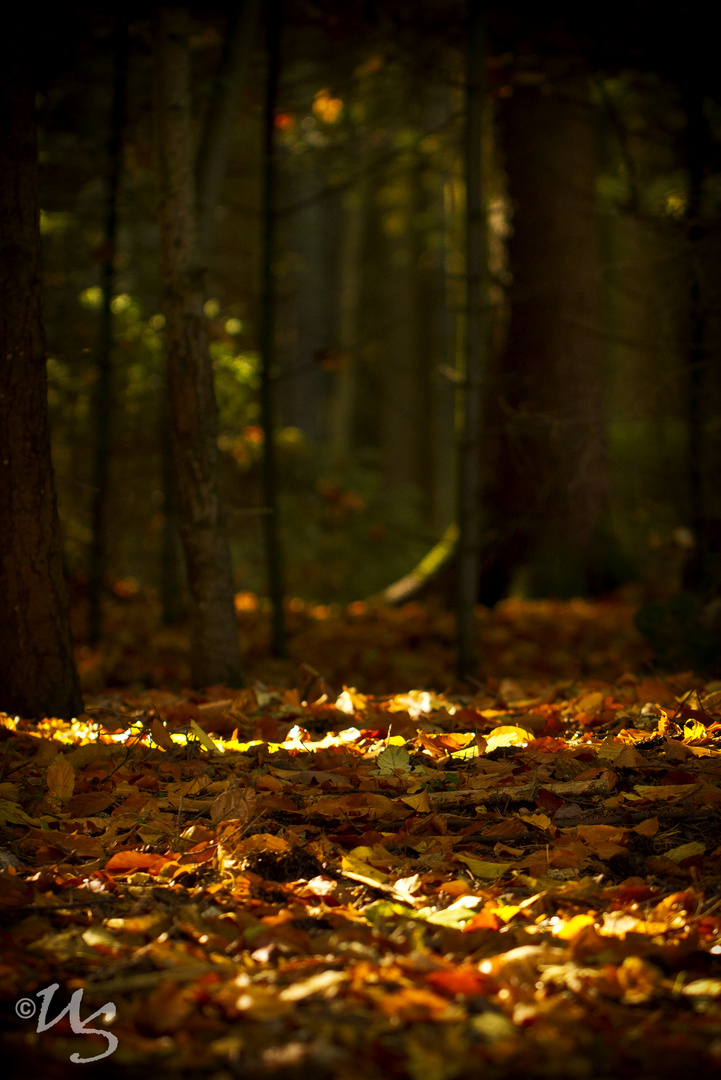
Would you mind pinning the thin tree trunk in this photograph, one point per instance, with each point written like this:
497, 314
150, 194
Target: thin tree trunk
172, 577
274, 562
37, 668
469, 496
305, 223
349, 294
401, 435
699, 153
210, 165
218, 130
103, 399
215, 653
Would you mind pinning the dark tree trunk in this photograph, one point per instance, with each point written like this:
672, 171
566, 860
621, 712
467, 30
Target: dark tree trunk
476, 355
210, 166
219, 125
699, 152
213, 627
37, 667
172, 576
547, 492
271, 523
103, 398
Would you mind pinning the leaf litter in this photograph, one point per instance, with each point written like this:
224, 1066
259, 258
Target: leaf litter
520, 880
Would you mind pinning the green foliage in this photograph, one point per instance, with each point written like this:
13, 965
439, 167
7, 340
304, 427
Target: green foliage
237, 382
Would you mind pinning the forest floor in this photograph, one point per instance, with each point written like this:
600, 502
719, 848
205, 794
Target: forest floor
358, 868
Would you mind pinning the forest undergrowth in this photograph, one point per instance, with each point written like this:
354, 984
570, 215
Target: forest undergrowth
358, 867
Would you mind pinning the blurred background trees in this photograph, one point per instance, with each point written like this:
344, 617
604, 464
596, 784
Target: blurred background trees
601, 182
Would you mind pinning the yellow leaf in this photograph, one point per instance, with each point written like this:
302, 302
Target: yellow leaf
693, 729
350, 701
363, 870
574, 926
480, 868
506, 911
203, 738
508, 735
703, 988
541, 821
685, 851
393, 759
421, 802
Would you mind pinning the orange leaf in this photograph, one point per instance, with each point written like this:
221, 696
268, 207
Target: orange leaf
413, 1004
160, 734
460, 980
129, 860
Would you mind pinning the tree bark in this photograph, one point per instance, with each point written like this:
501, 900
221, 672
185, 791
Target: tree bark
548, 485
271, 518
219, 125
103, 395
342, 401
37, 667
215, 652
476, 356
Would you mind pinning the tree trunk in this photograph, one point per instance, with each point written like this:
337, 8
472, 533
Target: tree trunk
699, 152
213, 627
350, 273
219, 125
547, 489
306, 227
37, 667
103, 396
400, 388
271, 522
476, 353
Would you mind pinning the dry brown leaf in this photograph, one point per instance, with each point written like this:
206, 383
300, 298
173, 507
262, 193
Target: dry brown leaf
60, 778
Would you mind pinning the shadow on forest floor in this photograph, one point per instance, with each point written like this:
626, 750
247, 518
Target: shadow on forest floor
377, 649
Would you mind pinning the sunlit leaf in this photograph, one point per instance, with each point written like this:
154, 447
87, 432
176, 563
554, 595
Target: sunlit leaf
203, 738
568, 930
694, 729
703, 988
362, 871
508, 735
393, 759
324, 984
451, 916
481, 868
